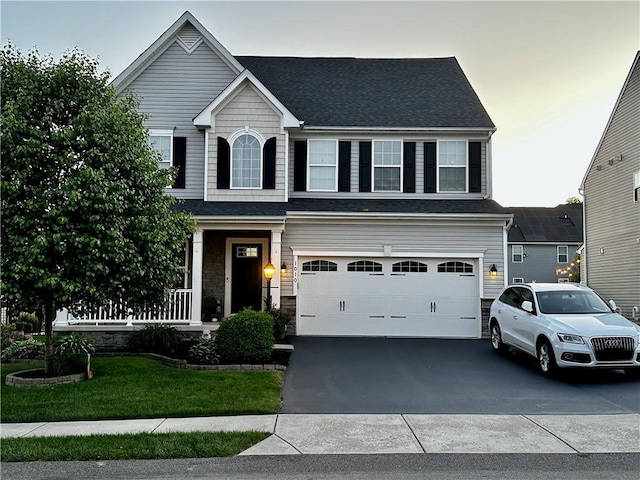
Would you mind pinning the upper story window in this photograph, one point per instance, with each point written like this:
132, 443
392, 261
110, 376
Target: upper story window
387, 166
636, 186
246, 162
563, 254
517, 253
323, 165
452, 166
161, 140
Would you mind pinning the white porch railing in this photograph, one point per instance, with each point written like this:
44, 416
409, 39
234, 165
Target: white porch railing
178, 309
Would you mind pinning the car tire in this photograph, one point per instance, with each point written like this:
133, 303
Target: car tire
496, 339
546, 359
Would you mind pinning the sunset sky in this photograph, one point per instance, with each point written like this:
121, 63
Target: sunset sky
548, 73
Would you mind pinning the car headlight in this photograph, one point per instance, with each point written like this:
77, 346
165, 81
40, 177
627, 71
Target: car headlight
570, 338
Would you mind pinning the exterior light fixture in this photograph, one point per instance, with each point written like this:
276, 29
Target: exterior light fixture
269, 270
493, 271
283, 268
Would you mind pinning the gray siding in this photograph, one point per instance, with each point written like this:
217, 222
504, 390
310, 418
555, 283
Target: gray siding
355, 139
612, 218
371, 236
173, 90
247, 109
539, 263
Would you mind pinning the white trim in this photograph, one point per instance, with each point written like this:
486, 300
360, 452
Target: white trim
296, 215
335, 182
466, 165
189, 49
228, 256
203, 119
286, 165
484, 131
164, 42
231, 139
558, 247
513, 246
205, 192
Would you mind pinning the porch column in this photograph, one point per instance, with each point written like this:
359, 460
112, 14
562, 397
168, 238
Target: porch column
196, 278
276, 259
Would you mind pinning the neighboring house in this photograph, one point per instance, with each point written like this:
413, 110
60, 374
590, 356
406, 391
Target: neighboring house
366, 182
543, 243
611, 190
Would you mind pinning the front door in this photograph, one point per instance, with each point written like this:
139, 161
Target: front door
246, 277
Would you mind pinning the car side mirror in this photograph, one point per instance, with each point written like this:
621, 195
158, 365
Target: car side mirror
613, 306
527, 306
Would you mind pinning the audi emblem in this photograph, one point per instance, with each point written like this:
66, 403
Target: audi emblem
613, 343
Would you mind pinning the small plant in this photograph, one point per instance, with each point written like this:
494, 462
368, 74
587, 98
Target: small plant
156, 338
71, 353
10, 334
209, 308
247, 337
23, 349
204, 352
27, 322
280, 321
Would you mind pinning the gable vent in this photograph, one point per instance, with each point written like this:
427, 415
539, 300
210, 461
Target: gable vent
189, 39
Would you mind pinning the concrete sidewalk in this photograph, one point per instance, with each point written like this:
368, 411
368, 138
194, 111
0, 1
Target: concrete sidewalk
395, 433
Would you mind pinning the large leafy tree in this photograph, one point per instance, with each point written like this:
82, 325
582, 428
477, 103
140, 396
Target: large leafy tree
84, 216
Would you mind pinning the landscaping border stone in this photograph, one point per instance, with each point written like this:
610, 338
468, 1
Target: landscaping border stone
15, 380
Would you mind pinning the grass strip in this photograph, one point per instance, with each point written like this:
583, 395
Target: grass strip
136, 387
130, 446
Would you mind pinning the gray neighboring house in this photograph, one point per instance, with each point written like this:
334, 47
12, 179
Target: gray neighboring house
365, 182
611, 190
543, 242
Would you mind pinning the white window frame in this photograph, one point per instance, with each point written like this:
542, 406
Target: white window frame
566, 247
517, 280
514, 253
374, 166
311, 166
465, 166
232, 140
563, 280
163, 132
636, 186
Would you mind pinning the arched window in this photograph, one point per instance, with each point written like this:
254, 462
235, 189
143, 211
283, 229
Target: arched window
246, 162
409, 266
319, 266
364, 266
455, 267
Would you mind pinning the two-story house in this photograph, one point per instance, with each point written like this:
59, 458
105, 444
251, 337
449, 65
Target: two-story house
611, 190
366, 182
543, 243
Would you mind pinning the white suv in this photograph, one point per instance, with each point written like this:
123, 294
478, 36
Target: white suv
564, 325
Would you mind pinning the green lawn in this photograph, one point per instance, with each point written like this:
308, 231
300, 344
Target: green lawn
124, 447
135, 387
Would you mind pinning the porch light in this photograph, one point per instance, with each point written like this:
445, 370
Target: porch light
493, 271
283, 268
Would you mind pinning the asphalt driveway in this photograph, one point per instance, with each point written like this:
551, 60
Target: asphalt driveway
440, 376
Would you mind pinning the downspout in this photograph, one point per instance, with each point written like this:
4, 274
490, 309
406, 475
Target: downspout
505, 250
583, 256
489, 167
206, 165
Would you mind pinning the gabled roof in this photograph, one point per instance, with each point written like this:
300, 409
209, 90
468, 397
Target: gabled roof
200, 208
165, 41
634, 67
203, 119
561, 224
360, 92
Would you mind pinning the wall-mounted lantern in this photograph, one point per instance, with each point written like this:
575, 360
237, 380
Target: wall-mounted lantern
493, 271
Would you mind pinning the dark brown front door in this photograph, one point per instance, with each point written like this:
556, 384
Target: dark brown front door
246, 277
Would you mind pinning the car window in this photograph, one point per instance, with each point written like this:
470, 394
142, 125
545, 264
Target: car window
526, 295
510, 297
572, 302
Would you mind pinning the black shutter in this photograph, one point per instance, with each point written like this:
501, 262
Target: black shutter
475, 167
224, 164
344, 166
365, 166
409, 170
430, 167
179, 160
269, 164
300, 165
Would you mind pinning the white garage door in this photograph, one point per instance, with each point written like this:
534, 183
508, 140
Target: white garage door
388, 297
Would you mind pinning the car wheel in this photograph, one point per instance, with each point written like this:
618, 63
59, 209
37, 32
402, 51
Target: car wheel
496, 339
546, 359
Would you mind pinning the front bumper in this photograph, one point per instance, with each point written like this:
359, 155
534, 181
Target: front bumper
597, 354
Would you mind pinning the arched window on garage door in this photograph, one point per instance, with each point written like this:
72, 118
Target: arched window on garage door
455, 267
364, 266
319, 266
409, 266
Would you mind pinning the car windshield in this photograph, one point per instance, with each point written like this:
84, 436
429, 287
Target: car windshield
571, 302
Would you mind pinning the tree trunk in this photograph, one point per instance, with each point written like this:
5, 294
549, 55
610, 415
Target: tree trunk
49, 317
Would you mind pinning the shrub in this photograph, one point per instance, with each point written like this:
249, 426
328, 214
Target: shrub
280, 321
71, 353
23, 349
156, 338
204, 352
10, 334
27, 322
247, 337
